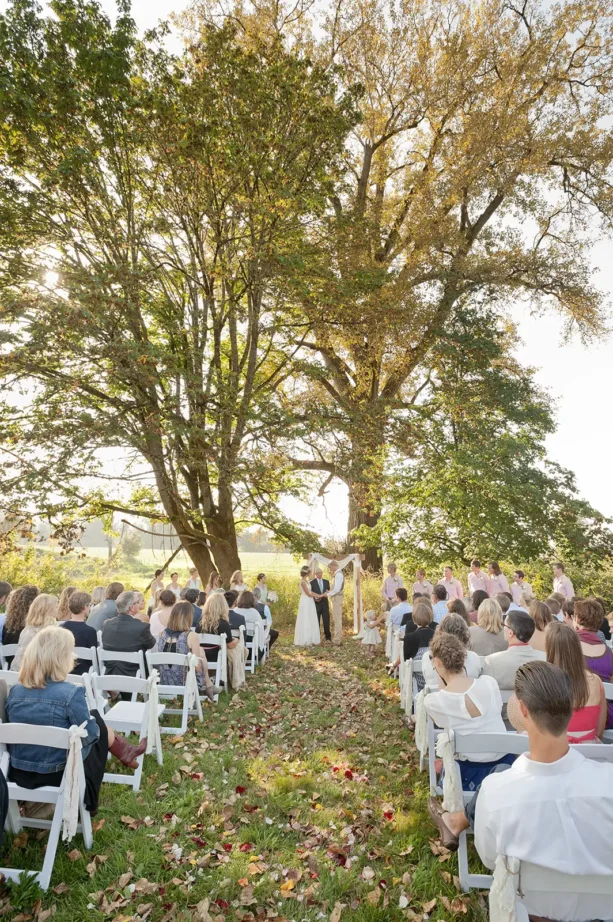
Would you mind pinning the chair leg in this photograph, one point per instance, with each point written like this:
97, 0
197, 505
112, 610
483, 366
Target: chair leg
44, 878
14, 817
463, 872
158, 746
86, 827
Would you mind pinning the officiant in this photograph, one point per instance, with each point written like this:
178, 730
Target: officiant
322, 606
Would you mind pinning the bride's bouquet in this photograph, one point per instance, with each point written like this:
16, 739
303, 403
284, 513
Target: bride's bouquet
272, 596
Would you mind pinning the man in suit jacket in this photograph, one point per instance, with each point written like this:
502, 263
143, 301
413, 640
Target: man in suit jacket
518, 630
322, 607
126, 634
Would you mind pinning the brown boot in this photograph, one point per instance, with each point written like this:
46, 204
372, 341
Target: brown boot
126, 752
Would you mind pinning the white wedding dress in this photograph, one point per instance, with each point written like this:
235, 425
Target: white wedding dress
306, 633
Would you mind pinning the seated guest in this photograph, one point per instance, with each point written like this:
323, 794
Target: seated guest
416, 642
63, 611
605, 627
178, 637
264, 611
237, 582
107, 609
215, 621
504, 600
400, 609
518, 630
456, 625
161, 613
487, 635
457, 607
476, 599
439, 603
84, 635
43, 613
236, 621
191, 596
553, 807
589, 703
17, 608
245, 606
142, 606
540, 614
568, 613
201, 599
5, 591
44, 698
598, 656
98, 595
555, 608
464, 703
125, 634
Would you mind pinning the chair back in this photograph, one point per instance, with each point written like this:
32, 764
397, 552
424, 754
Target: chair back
34, 735
10, 676
7, 651
90, 655
537, 879
116, 656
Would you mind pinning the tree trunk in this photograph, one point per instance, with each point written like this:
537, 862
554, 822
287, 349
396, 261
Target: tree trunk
360, 516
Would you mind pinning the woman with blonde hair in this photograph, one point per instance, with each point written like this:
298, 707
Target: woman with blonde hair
487, 635
98, 595
237, 582
63, 611
215, 620
17, 608
541, 615
44, 698
43, 613
178, 637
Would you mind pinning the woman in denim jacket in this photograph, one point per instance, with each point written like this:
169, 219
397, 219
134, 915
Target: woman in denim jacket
43, 697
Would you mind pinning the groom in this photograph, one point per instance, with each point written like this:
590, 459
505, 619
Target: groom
336, 594
322, 606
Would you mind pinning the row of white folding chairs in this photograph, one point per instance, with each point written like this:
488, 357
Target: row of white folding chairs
468, 745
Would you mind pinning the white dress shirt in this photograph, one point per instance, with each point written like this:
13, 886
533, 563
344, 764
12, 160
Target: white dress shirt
398, 612
390, 584
563, 585
478, 581
517, 589
498, 584
423, 588
337, 584
453, 587
558, 815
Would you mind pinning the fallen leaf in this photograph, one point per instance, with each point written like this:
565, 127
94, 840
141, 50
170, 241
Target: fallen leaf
428, 907
21, 840
287, 886
403, 902
373, 897
75, 854
125, 879
367, 873
336, 912
61, 888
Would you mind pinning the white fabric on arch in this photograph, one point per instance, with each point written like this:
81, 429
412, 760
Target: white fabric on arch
356, 560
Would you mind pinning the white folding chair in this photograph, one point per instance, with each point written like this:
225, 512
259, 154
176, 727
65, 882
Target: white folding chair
57, 738
536, 883
128, 717
7, 652
115, 656
10, 677
218, 666
469, 744
90, 654
389, 639
252, 645
154, 661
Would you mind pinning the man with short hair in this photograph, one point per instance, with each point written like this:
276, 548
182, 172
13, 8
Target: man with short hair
439, 603
320, 586
400, 609
79, 604
422, 586
518, 630
191, 596
391, 582
552, 807
555, 608
519, 586
236, 620
452, 585
561, 582
107, 609
126, 634
504, 600
477, 579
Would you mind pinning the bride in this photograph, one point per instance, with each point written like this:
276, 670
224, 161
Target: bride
306, 633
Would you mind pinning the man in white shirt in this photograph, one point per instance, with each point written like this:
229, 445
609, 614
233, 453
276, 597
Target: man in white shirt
400, 609
561, 582
520, 585
452, 585
336, 594
422, 586
390, 584
552, 807
439, 603
477, 579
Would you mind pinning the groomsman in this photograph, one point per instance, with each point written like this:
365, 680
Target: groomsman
336, 594
477, 579
390, 584
322, 606
422, 586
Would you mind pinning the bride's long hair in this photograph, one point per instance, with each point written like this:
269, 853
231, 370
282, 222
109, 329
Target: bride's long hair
305, 572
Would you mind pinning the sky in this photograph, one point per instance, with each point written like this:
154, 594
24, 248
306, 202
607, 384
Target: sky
579, 378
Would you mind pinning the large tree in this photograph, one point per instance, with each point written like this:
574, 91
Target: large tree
152, 209
481, 168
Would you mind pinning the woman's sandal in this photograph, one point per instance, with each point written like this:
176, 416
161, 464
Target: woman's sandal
447, 836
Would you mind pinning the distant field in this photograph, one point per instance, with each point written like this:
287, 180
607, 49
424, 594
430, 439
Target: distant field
251, 561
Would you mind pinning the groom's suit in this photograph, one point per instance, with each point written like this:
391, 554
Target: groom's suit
322, 606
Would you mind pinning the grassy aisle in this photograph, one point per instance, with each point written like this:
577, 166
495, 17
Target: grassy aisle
297, 799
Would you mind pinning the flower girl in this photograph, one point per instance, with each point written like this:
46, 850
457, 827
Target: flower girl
372, 637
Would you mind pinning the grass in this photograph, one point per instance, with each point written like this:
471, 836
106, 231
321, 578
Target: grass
298, 798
